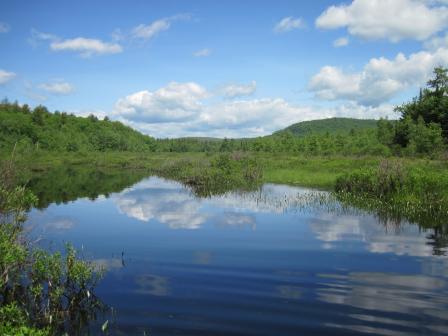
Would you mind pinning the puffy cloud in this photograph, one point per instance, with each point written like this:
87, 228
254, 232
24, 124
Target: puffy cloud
179, 110
332, 83
57, 88
4, 27
239, 90
148, 31
270, 112
151, 30
386, 19
289, 23
380, 79
202, 53
87, 47
341, 42
6, 76
175, 102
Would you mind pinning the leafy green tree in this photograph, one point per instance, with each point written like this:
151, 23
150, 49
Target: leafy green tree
439, 83
60, 131
385, 132
39, 114
431, 105
425, 139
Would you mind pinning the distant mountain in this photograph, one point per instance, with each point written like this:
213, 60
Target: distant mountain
331, 125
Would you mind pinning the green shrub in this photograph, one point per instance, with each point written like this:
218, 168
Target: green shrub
40, 293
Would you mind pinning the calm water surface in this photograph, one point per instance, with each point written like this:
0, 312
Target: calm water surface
258, 263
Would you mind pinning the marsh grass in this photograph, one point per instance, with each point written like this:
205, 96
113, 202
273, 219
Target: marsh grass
215, 175
415, 188
397, 191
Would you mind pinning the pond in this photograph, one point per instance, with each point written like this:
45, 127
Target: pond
251, 263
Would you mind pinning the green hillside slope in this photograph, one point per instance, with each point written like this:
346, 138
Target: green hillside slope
331, 125
38, 128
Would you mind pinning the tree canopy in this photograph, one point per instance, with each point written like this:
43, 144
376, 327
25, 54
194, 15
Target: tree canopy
59, 131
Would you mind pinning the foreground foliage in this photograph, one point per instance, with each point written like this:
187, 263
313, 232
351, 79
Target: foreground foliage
41, 293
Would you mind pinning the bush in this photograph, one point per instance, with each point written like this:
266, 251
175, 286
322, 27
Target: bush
40, 293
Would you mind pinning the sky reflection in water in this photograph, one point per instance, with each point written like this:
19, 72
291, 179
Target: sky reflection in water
252, 264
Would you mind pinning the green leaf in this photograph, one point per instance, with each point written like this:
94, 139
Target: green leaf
104, 326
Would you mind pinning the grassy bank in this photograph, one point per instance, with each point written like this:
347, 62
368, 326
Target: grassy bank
285, 168
416, 189
395, 190
204, 174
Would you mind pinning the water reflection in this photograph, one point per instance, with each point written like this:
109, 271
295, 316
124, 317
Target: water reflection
267, 262
400, 240
173, 207
59, 223
152, 284
68, 183
395, 294
170, 203
238, 220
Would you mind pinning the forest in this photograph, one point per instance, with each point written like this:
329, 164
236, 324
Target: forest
422, 130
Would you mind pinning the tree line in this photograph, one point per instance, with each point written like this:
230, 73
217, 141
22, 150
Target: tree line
421, 130
34, 129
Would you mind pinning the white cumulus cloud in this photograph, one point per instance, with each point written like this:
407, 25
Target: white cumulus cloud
180, 109
151, 30
86, 47
289, 23
57, 88
148, 31
379, 80
6, 76
386, 19
239, 90
174, 102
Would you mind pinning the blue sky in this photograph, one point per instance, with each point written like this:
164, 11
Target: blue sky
220, 68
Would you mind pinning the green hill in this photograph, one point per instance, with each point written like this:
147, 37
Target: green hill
38, 128
331, 125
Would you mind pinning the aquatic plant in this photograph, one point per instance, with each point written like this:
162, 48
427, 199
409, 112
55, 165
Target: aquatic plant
215, 175
41, 293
